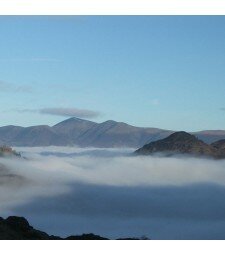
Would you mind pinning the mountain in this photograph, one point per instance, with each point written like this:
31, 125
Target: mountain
118, 134
181, 143
39, 136
8, 133
85, 133
73, 128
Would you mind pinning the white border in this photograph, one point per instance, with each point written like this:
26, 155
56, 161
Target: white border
112, 247
112, 7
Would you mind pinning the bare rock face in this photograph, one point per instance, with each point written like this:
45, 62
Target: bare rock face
181, 143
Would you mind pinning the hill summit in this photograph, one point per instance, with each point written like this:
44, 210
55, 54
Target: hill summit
181, 143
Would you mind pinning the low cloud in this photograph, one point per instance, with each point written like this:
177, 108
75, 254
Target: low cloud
116, 167
68, 190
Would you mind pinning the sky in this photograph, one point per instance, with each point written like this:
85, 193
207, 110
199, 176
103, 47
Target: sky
150, 71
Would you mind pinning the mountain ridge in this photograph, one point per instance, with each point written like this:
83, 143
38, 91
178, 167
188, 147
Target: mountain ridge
84, 133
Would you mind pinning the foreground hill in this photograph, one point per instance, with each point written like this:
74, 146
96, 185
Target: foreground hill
18, 228
84, 133
181, 143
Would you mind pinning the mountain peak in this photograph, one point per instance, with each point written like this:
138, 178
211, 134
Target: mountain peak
181, 136
110, 121
75, 119
72, 120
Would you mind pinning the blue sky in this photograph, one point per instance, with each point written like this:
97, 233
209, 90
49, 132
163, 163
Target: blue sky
155, 71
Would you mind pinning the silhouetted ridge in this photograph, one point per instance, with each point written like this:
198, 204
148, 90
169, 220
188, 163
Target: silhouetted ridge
18, 228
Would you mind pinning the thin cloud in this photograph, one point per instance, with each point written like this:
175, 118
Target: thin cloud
155, 101
70, 112
65, 112
25, 110
10, 87
222, 109
29, 60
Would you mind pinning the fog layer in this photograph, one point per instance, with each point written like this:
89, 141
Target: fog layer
65, 190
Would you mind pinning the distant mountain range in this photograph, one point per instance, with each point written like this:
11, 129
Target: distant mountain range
184, 143
84, 133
